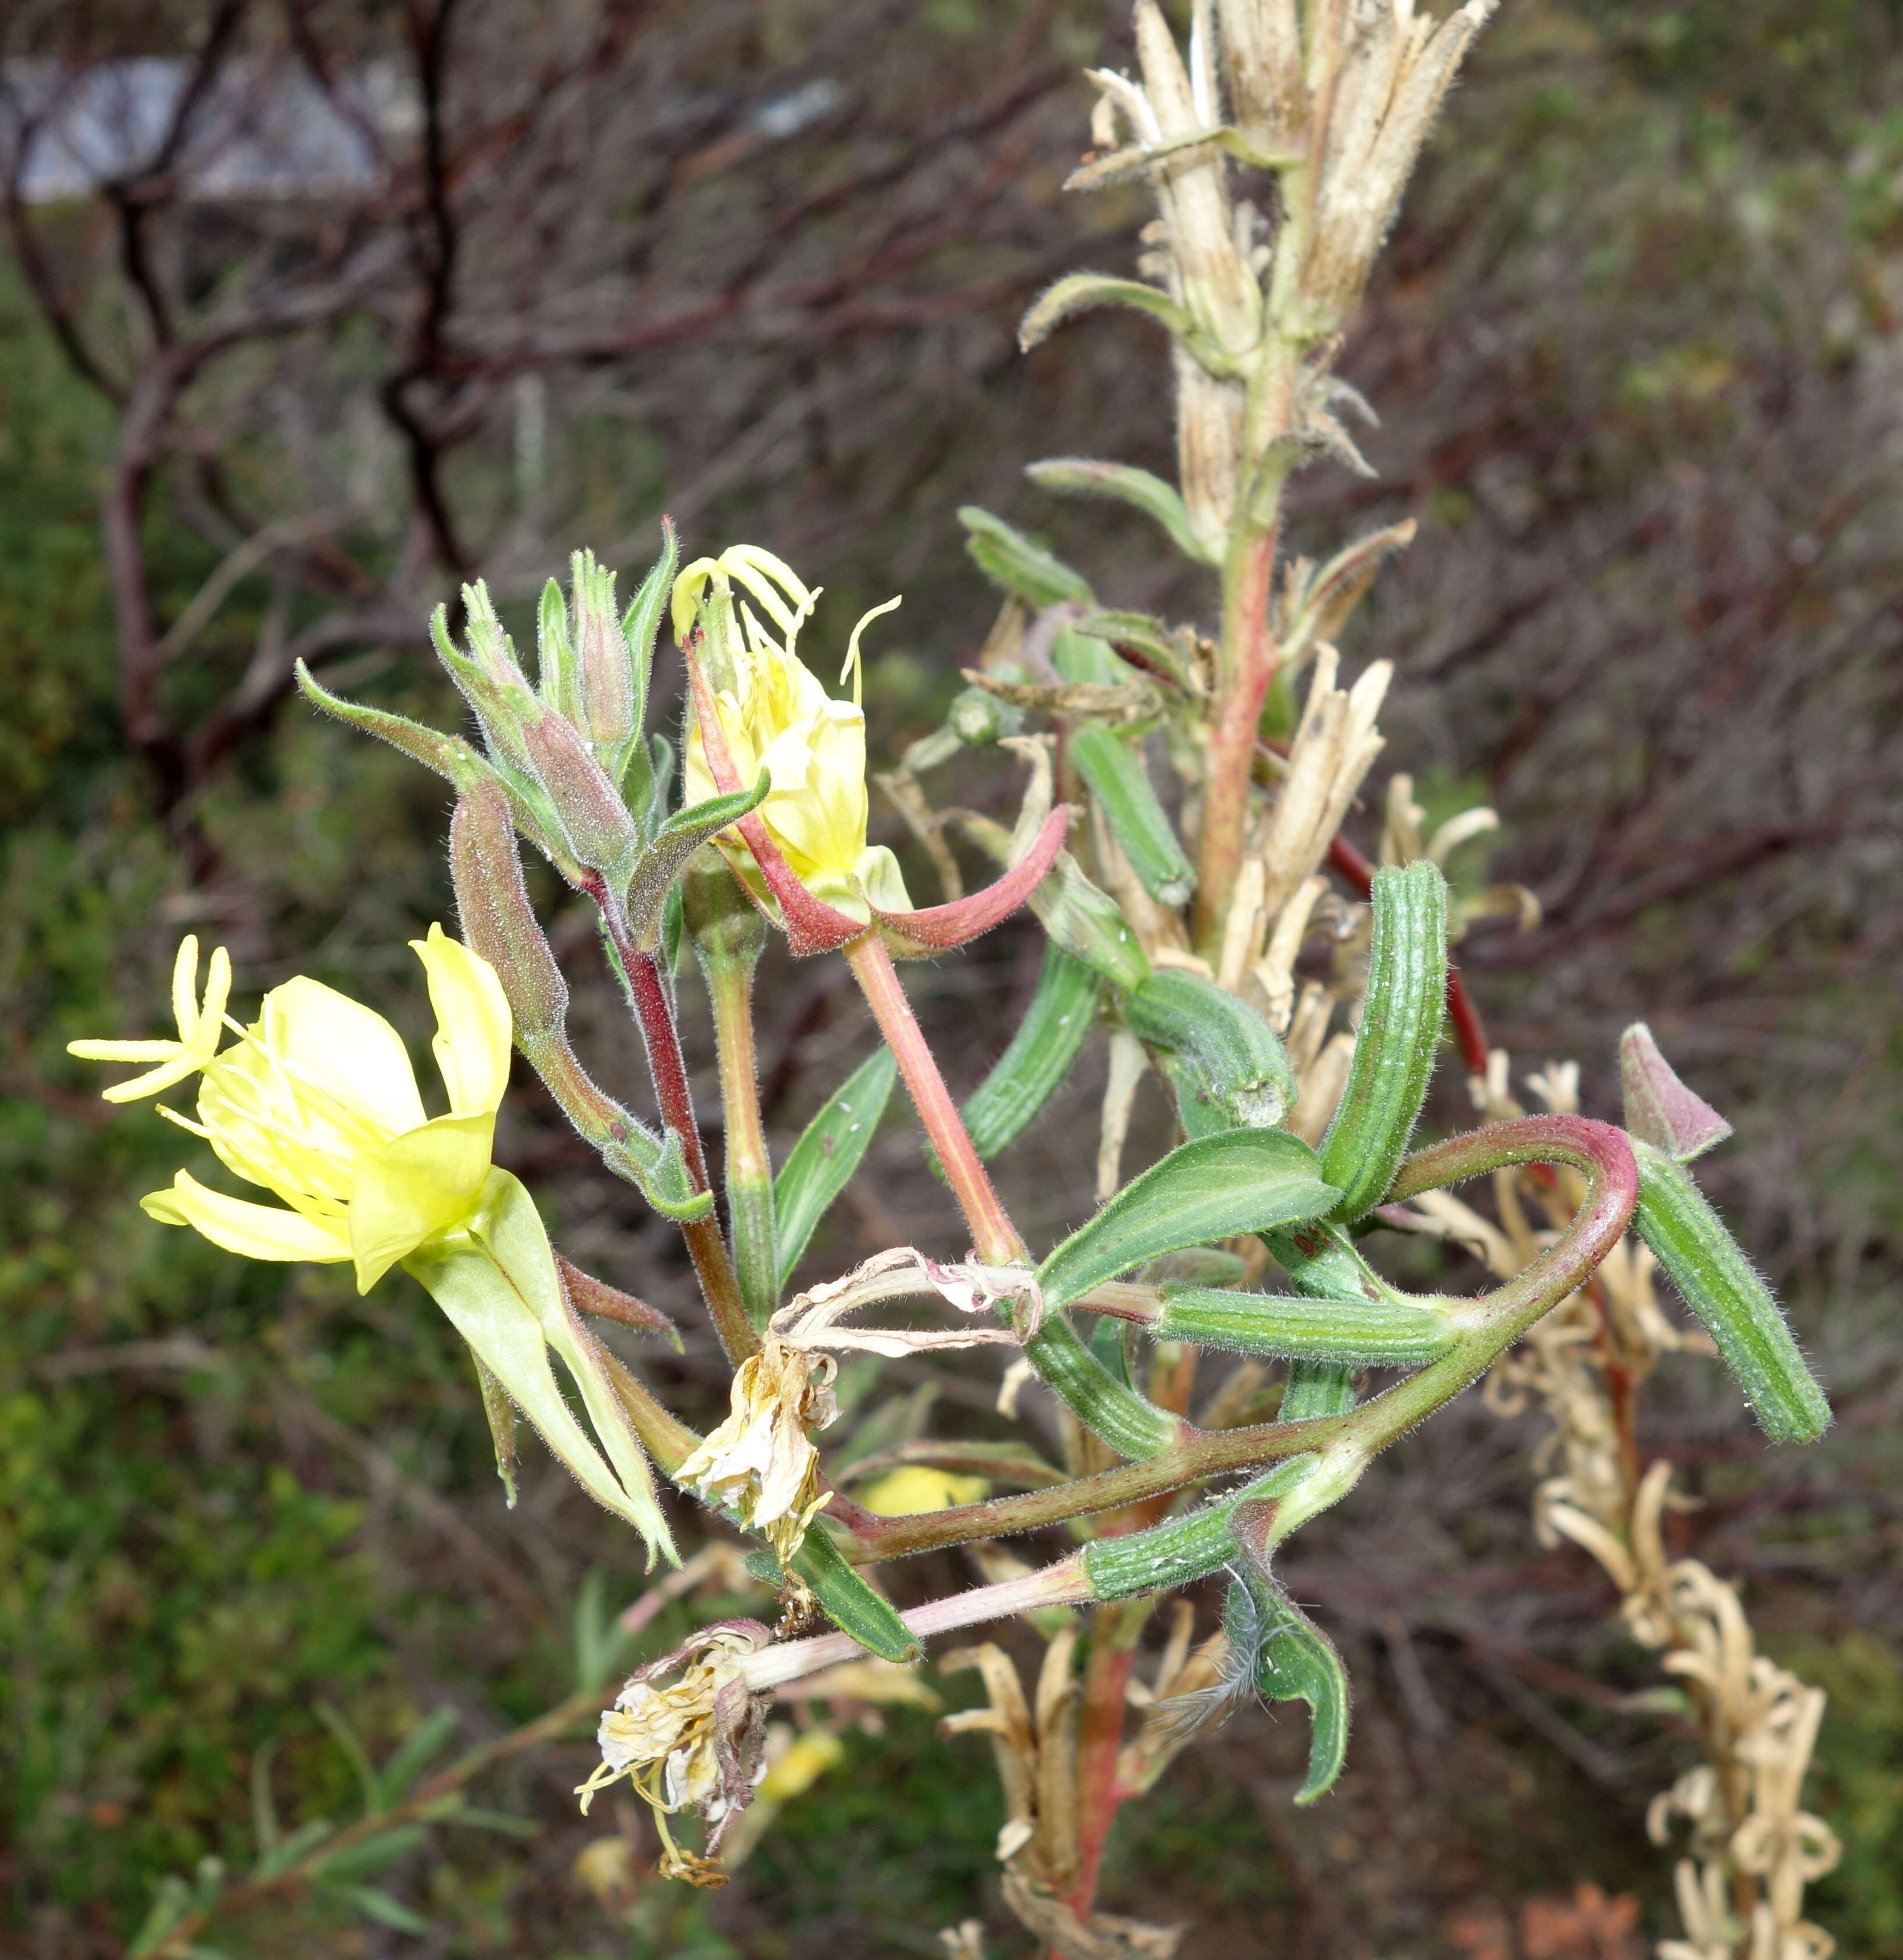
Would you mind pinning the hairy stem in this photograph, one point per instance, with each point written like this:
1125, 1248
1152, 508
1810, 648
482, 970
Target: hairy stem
1485, 1329
993, 1236
750, 1169
654, 1014
1115, 1628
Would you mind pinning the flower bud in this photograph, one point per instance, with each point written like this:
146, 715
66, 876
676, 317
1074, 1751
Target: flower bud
724, 923
497, 920
604, 662
489, 676
596, 820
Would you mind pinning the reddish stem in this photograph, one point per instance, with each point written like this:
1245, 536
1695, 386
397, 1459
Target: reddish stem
654, 1014
1100, 1795
993, 1236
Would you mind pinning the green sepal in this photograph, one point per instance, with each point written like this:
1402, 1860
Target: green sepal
1078, 476
844, 1597
658, 868
657, 1169
1368, 1334
1709, 1267
452, 759
500, 1288
1231, 1071
1294, 1661
822, 1163
640, 627
1212, 1188
1079, 291
1008, 559
1317, 1388
500, 1412
1114, 769
1394, 1047
1048, 1040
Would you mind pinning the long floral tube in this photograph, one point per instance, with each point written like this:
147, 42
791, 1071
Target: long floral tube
1484, 1329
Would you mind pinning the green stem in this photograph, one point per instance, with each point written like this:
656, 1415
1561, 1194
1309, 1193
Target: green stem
749, 1168
1484, 1330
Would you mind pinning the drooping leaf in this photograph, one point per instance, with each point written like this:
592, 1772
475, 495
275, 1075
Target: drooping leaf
1007, 558
1400, 1031
829, 1151
1709, 1267
1079, 291
1295, 1661
1078, 476
1211, 1189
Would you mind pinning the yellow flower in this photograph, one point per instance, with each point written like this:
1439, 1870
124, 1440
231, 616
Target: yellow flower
317, 1103
760, 1463
199, 1027
774, 714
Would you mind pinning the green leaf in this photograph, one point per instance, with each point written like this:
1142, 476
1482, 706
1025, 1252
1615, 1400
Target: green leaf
288, 1850
1076, 476
848, 1601
374, 1853
499, 1823
1241, 1181
1394, 1051
1294, 1661
411, 1756
660, 863
1368, 1333
171, 1900
1233, 1071
1007, 558
386, 1910
1048, 1040
1114, 769
1079, 291
828, 1152
1142, 634
1075, 915
351, 1744
502, 1293
1709, 1267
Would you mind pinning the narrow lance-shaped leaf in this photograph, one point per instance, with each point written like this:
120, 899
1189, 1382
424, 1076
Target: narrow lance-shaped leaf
1234, 1071
1055, 1028
1241, 1181
822, 1161
844, 1597
1709, 1267
1368, 1333
1078, 476
661, 862
1079, 291
406, 1763
1007, 558
1394, 1051
1114, 769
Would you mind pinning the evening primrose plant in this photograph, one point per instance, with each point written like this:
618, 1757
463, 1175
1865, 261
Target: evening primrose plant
1212, 1358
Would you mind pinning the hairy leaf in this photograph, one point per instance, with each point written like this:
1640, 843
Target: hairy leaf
827, 1154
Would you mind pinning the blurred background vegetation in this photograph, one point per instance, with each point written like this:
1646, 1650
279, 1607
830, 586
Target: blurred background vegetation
1638, 345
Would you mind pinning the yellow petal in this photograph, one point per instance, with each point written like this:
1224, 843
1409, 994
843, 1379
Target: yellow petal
345, 1049
185, 986
252, 1231
473, 1030
416, 1188
916, 1487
